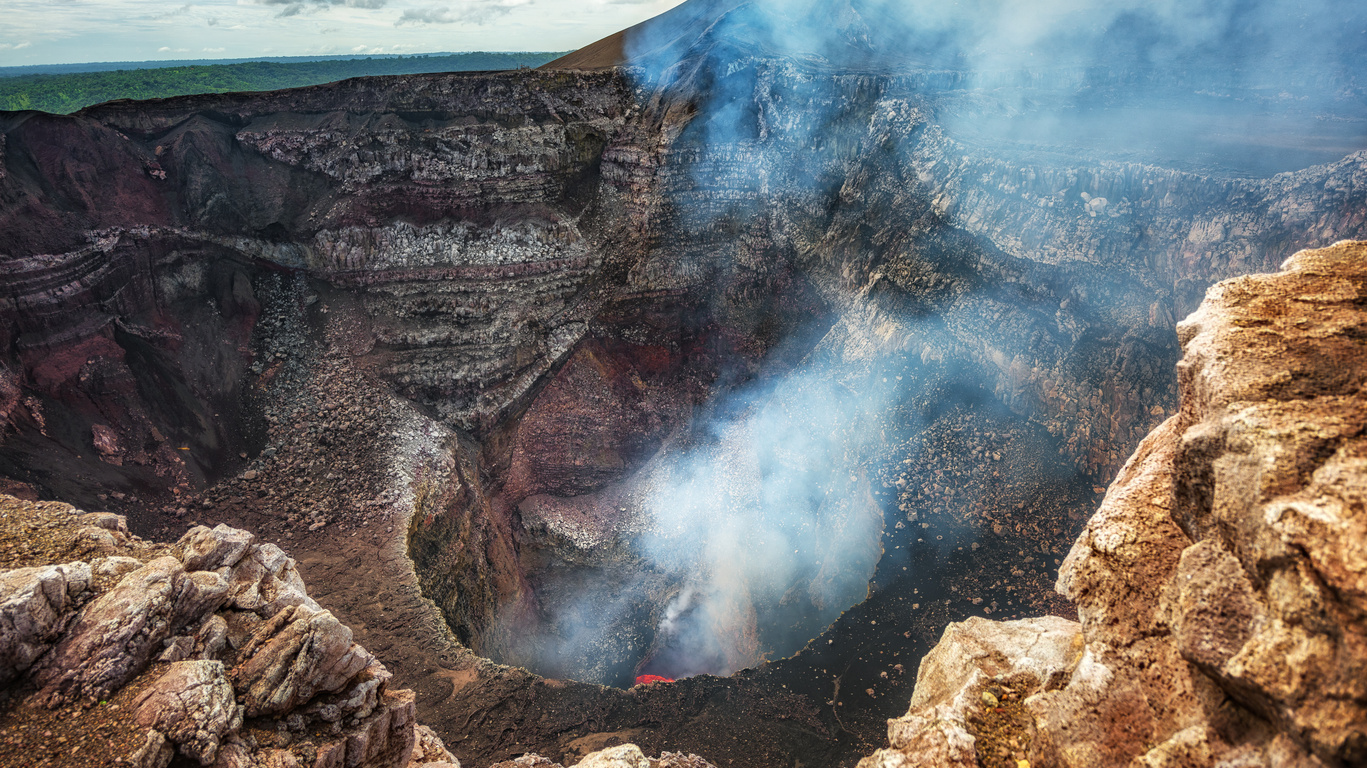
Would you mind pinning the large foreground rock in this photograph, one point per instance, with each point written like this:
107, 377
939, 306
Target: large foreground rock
1221, 586
34, 602
211, 644
113, 638
192, 705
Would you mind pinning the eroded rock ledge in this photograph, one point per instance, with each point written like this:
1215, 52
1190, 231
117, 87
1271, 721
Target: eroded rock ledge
119, 651
1222, 585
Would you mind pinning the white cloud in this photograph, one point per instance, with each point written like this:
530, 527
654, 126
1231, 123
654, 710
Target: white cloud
476, 12
61, 31
295, 7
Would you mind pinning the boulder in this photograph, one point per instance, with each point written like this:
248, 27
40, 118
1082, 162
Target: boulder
34, 605
113, 638
1221, 587
1032, 654
202, 549
386, 738
114, 567
622, 756
429, 751
192, 704
154, 752
1044, 648
265, 581
297, 654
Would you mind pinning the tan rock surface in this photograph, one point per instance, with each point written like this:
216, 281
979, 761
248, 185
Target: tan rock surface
112, 639
430, 752
295, 655
132, 656
624, 756
33, 604
202, 549
192, 705
619, 756
1221, 584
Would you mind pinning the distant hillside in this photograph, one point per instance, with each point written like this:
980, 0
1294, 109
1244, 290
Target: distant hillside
64, 93
110, 66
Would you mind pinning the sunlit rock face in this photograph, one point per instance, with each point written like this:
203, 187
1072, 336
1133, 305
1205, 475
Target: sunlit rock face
1219, 584
709, 356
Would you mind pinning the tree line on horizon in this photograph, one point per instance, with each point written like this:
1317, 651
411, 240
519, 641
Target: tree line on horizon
67, 93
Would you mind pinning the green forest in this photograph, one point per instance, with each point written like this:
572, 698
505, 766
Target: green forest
69, 92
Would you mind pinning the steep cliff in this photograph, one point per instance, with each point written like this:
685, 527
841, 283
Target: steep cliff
1219, 586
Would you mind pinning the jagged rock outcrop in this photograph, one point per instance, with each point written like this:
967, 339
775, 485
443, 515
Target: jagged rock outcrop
192, 705
620, 756
178, 637
134, 647
37, 603
1220, 585
113, 637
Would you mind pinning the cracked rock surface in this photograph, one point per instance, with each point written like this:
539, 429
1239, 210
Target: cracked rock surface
1220, 587
178, 672
168, 650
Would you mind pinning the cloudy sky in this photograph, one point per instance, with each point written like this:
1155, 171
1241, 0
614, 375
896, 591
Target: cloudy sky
67, 31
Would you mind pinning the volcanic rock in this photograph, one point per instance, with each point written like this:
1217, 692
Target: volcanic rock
461, 317
296, 654
113, 637
620, 756
192, 705
156, 751
94, 632
34, 605
624, 756
430, 752
201, 549
1220, 585
266, 581
107, 444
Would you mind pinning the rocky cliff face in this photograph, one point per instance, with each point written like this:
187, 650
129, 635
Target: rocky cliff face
1218, 586
470, 318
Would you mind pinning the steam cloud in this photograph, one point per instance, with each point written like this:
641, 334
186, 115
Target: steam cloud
1254, 43
1167, 77
769, 524
771, 506
765, 529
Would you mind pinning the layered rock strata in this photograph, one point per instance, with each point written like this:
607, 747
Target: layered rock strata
1219, 586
